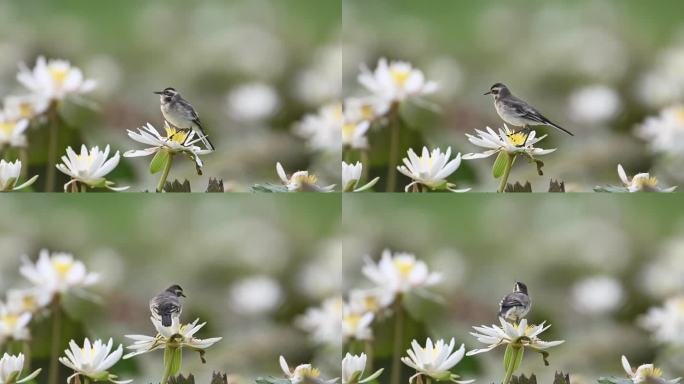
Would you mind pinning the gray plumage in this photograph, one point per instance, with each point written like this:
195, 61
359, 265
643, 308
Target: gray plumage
514, 306
180, 114
167, 305
516, 111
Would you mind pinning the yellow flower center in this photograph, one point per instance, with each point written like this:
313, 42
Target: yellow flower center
371, 303
517, 138
679, 114
88, 356
58, 74
28, 303
680, 304
62, 267
176, 135
650, 372
368, 112
305, 179
87, 159
404, 267
310, 372
352, 320
7, 127
338, 113
400, 76
10, 320
348, 131
646, 182
26, 110
434, 352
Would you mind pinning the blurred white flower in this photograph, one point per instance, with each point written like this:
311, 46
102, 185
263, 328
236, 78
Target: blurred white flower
351, 175
666, 322
448, 73
665, 132
255, 295
371, 300
13, 324
301, 181
323, 130
354, 134
435, 361
321, 82
646, 373
318, 278
431, 169
356, 325
399, 273
176, 335
90, 167
54, 79
12, 131
506, 140
24, 300
252, 102
353, 367
11, 367
92, 361
56, 273
662, 276
25, 106
324, 323
397, 81
664, 83
507, 333
597, 295
302, 373
641, 182
9, 175
175, 142
594, 104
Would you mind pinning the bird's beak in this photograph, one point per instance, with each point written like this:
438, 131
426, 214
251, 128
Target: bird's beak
158, 92
181, 294
488, 93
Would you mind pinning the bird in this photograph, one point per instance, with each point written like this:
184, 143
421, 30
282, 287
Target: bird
515, 305
180, 114
167, 305
516, 111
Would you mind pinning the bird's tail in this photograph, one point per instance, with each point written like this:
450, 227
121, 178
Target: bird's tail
210, 146
166, 319
559, 127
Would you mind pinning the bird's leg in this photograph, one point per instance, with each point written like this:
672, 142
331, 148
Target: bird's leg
526, 129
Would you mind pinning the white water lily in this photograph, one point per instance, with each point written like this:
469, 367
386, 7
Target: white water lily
175, 142
396, 81
56, 273
520, 334
25, 106
351, 175
54, 79
323, 323
9, 175
435, 360
666, 322
356, 325
641, 182
323, 129
301, 181
90, 167
302, 373
12, 131
665, 132
353, 367
13, 324
92, 360
176, 335
399, 273
506, 140
646, 373
431, 169
11, 367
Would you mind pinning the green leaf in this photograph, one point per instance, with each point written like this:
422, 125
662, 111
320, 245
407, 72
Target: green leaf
271, 380
500, 164
613, 380
269, 188
508, 355
159, 161
517, 359
177, 361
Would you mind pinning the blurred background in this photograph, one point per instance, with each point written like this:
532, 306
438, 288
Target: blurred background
598, 68
248, 268
252, 69
593, 266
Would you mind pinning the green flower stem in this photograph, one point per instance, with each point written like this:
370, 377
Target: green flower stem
428, 380
53, 138
84, 188
507, 171
366, 166
394, 126
56, 335
74, 187
398, 340
511, 367
171, 362
23, 157
26, 350
165, 174
86, 380
368, 349
348, 156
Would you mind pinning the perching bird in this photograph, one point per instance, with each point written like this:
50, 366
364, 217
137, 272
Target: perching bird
167, 305
180, 114
517, 112
515, 305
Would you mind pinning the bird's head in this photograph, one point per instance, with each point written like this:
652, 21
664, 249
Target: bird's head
176, 290
168, 94
520, 287
497, 90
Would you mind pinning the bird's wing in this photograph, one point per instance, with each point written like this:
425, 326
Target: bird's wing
511, 301
168, 307
189, 111
521, 108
